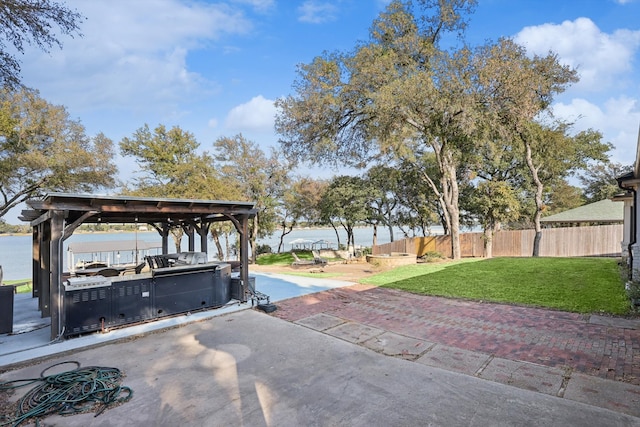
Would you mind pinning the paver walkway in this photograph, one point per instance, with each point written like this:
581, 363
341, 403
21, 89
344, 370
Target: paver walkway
555, 339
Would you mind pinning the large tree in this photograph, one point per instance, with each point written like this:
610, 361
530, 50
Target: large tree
498, 187
30, 22
257, 177
171, 166
420, 207
42, 150
346, 203
552, 153
599, 180
398, 95
300, 202
518, 91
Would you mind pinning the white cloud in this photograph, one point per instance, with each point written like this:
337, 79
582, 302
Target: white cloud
617, 119
132, 54
601, 58
255, 115
259, 5
317, 12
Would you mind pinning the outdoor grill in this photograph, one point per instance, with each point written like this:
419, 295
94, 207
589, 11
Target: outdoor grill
94, 303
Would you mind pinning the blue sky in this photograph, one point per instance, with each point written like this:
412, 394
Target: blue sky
214, 68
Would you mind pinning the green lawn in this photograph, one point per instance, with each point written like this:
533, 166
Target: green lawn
23, 286
284, 258
583, 285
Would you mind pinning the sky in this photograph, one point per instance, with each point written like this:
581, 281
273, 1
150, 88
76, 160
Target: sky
215, 68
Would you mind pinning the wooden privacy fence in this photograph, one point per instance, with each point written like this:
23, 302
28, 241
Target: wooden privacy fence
600, 240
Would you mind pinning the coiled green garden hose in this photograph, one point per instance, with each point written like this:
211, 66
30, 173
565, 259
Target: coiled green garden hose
66, 393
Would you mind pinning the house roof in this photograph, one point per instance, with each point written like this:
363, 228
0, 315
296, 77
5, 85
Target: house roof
604, 211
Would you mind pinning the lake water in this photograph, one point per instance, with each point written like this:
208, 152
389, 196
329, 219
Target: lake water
16, 251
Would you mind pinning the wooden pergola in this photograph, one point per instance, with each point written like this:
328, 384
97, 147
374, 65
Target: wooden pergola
58, 215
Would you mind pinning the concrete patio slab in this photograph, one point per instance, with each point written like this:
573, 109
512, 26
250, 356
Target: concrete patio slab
525, 375
354, 332
396, 345
616, 322
251, 369
320, 322
454, 359
617, 396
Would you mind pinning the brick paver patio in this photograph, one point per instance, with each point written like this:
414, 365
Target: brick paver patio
546, 337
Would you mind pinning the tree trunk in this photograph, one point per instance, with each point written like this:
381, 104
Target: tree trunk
456, 252
216, 239
350, 238
375, 235
488, 242
285, 230
450, 193
448, 197
489, 232
337, 234
391, 237
538, 198
177, 234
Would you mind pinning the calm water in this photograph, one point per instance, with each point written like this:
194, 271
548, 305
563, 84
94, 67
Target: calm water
15, 251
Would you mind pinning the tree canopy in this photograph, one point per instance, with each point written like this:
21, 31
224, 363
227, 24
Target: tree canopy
402, 96
600, 181
43, 150
29, 22
171, 166
257, 177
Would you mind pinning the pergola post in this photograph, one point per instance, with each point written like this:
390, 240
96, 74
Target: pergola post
35, 262
190, 238
203, 231
55, 267
45, 272
244, 254
165, 238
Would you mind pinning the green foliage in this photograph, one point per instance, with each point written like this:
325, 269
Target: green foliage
346, 202
561, 196
599, 180
22, 286
170, 166
584, 285
382, 184
401, 96
257, 177
419, 206
299, 202
42, 150
9, 228
495, 202
263, 249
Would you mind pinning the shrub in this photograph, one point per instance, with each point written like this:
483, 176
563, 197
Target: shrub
432, 256
263, 249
